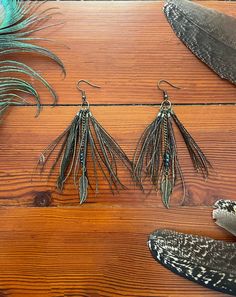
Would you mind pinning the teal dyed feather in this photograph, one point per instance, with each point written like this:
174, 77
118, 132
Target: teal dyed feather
18, 20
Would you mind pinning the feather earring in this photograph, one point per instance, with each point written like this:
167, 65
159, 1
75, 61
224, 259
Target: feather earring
156, 153
86, 136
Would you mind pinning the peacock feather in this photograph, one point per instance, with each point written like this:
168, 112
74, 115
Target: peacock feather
18, 20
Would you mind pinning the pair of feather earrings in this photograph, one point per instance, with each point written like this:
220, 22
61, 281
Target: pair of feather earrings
155, 157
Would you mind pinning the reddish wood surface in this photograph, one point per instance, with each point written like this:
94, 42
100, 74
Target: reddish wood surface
99, 249
93, 251
126, 47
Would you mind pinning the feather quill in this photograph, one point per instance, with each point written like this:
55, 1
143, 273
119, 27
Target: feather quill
209, 34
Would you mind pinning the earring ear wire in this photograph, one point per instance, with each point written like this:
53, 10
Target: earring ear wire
83, 93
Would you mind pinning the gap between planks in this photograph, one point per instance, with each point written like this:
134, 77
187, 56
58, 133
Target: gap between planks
132, 104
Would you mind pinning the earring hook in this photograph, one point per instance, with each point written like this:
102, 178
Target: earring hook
165, 93
84, 98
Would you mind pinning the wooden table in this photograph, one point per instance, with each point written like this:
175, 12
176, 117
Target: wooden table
99, 248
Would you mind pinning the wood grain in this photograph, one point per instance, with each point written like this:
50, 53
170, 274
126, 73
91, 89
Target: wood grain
126, 47
93, 251
61, 249
22, 143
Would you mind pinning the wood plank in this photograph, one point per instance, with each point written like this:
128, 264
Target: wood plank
126, 47
23, 138
99, 248
94, 251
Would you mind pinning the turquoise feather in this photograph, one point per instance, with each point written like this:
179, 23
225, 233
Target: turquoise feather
19, 19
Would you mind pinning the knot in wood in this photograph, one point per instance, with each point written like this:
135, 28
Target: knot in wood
42, 199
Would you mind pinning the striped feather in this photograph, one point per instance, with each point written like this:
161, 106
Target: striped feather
210, 263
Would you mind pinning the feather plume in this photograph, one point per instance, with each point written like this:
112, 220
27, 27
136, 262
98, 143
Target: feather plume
209, 34
18, 20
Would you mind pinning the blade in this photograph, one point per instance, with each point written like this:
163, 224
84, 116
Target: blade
209, 34
166, 190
